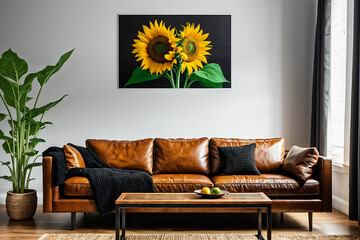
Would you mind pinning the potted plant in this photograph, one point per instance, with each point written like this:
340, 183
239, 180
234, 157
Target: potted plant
25, 119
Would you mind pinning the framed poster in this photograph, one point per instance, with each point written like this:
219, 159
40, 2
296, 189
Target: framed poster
174, 51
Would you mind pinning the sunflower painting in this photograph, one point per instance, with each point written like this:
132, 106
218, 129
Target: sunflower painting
177, 51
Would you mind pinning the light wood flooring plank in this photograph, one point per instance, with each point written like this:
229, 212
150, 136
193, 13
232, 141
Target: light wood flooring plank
324, 223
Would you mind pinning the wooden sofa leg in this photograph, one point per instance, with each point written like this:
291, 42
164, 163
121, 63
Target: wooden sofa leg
310, 215
73, 220
282, 217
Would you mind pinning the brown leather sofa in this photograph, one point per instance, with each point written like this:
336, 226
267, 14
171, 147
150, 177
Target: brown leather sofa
184, 165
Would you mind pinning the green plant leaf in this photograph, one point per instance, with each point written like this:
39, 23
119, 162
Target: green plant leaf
9, 89
38, 111
31, 165
45, 74
2, 134
26, 87
7, 145
210, 75
2, 116
5, 163
210, 84
37, 140
3, 137
12, 66
32, 120
140, 75
32, 153
6, 178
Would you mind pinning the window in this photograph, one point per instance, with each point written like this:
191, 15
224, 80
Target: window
338, 101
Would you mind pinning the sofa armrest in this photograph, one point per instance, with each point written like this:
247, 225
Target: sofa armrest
323, 174
47, 183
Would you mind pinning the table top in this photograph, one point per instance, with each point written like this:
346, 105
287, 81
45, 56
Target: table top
191, 198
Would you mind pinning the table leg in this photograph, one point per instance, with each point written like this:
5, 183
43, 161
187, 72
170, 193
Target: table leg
269, 225
117, 223
123, 215
259, 222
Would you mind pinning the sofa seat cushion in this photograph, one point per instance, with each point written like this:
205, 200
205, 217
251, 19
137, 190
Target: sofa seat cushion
77, 187
273, 185
180, 182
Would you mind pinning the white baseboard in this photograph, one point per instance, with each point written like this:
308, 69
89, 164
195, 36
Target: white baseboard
39, 195
340, 204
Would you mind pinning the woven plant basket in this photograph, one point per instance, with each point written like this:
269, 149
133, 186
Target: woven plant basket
21, 206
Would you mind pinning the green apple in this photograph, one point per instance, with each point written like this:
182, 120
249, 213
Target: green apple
215, 190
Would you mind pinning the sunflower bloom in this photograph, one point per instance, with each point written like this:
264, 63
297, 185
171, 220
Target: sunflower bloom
171, 55
152, 45
194, 47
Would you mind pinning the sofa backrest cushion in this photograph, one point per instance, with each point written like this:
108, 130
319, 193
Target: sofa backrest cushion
136, 155
269, 153
181, 156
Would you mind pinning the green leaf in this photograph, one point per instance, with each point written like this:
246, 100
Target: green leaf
31, 165
33, 125
3, 137
2, 116
5, 163
32, 153
46, 73
210, 75
1, 134
28, 82
7, 145
6, 178
38, 111
9, 89
140, 75
26, 87
37, 140
32, 120
12, 66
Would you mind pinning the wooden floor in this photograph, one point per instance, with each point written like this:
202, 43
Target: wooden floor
327, 223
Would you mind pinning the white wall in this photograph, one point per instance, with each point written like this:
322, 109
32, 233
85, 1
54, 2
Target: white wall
272, 59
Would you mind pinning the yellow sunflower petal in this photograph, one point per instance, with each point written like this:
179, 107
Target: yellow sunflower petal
190, 69
203, 37
202, 58
147, 31
169, 57
194, 48
183, 67
184, 56
155, 33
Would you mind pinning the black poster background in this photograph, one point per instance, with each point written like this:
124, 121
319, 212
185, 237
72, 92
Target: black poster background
218, 27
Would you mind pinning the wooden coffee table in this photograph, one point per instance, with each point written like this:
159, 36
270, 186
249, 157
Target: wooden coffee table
191, 200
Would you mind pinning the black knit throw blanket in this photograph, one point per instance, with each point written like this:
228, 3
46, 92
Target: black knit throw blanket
106, 182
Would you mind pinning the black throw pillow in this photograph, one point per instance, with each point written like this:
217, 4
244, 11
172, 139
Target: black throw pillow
238, 160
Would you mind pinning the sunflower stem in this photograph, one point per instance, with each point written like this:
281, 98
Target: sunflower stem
178, 76
170, 78
186, 79
188, 86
